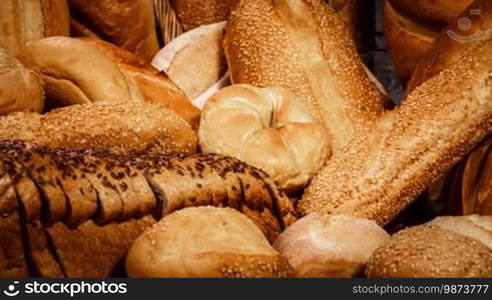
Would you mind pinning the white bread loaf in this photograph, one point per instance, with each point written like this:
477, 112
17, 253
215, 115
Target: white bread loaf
267, 128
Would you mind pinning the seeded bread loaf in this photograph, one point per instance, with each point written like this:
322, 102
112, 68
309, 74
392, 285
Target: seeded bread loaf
123, 128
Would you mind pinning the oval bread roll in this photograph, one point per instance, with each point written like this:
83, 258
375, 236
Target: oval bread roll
21, 89
121, 127
267, 128
75, 72
430, 251
195, 13
443, 11
205, 242
338, 246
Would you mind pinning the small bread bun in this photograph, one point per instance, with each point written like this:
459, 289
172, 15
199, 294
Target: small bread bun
129, 24
408, 40
268, 128
120, 127
156, 87
337, 246
205, 242
23, 21
20, 89
474, 226
430, 251
198, 52
75, 72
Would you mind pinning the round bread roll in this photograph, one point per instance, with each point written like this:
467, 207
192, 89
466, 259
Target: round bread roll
23, 21
430, 251
443, 11
20, 89
129, 24
120, 127
205, 242
195, 13
267, 128
337, 246
474, 226
408, 40
75, 72
198, 52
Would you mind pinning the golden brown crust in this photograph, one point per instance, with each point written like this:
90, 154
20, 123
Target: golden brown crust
67, 67
195, 13
429, 251
21, 89
121, 127
461, 36
205, 242
474, 226
155, 86
319, 62
410, 148
407, 39
129, 24
268, 128
317, 246
24, 21
443, 11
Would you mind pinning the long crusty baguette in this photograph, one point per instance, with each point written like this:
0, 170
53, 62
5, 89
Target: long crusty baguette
47, 189
124, 128
411, 147
305, 47
23, 21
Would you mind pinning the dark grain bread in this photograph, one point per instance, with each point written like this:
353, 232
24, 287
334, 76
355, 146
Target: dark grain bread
63, 192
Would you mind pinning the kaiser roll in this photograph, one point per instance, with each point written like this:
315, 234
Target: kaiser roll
205, 242
267, 128
337, 246
305, 47
21, 89
23, 21
431, 251
75, 72
129, 24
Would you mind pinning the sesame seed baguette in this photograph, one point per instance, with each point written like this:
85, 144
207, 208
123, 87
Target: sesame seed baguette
60, 206
123, 128
24, 21
304, 46
411, 147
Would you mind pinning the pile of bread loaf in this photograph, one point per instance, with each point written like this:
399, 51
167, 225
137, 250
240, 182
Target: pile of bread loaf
241, 138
